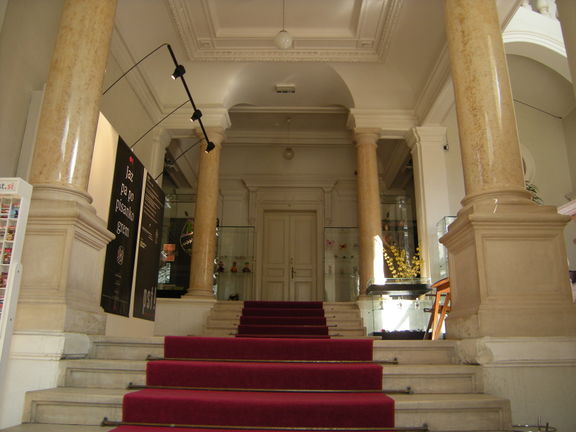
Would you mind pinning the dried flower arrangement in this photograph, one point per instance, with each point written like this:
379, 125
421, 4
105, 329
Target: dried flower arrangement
401, 265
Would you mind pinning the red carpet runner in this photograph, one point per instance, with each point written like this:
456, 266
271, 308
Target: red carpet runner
224, 384
283, 319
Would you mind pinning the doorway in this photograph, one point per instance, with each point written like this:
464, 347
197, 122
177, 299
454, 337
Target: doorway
289, 256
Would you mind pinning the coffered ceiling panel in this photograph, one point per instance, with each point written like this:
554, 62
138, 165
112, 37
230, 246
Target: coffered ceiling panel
323, 30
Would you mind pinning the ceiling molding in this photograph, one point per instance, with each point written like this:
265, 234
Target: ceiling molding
255, 138
435, 84
141, 87
364, 40
389, 22
325, 182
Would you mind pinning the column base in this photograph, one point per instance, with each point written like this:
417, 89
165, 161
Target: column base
508, 271
63, 261
535, 373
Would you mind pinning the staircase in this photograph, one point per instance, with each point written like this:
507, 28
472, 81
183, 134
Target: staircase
343, 319
445, 395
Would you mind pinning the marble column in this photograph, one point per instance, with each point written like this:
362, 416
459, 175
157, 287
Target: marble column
428, 147
204, 245
567, 16
507, 258
71, 104
371, 266
64, 236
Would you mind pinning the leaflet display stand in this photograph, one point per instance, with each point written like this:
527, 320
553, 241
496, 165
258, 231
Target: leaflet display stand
15, 196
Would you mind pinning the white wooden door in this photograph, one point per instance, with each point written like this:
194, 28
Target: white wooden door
289, 256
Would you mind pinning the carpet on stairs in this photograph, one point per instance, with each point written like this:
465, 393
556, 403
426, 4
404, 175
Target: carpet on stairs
249, 384
283, 319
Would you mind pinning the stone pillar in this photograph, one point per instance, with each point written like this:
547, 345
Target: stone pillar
508, 268
567, 16
371, 264
204, 245
427, 146
61, 280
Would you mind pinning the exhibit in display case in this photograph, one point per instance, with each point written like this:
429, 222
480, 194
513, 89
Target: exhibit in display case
15, 196
441, 229
341, 277
234, 263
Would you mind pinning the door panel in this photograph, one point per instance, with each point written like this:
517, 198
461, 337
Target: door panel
275, 276
289, 256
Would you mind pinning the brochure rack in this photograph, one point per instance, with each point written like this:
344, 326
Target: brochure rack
15, 196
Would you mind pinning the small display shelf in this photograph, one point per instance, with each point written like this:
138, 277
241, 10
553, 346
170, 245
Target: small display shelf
399, 287
235, 263
14, 204
341, 254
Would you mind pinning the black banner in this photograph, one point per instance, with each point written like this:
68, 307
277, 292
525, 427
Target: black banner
123, 222
148, 251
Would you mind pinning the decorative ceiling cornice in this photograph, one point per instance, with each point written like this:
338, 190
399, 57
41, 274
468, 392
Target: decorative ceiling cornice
142, 88
369, 43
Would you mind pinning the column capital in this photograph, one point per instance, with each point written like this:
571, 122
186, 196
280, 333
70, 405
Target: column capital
426, 135
363, 136
215, 134
214, 118
162, 136
390, 123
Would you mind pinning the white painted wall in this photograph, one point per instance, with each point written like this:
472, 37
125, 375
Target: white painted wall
544, 137
27, 39
455, 174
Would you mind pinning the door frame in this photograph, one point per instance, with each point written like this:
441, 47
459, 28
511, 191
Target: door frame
313, 207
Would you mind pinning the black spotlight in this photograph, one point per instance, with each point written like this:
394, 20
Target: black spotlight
210, 146
178, 72
196, 115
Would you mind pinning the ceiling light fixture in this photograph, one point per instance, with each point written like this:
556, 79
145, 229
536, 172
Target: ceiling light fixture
178, 72
283, 39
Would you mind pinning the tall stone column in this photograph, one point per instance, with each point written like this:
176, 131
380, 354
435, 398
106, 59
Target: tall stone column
427, 146
204, 245
567, 16
508, 268
371, 266
61, 279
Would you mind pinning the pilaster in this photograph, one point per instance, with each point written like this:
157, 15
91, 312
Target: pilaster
428, 146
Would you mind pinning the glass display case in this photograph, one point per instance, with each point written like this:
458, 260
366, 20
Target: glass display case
441, 229
400, 315
341, 278
234, 263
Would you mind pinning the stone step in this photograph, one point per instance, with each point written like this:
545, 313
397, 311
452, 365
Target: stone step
96, 373
331, 315
436, 379
331, 306
459, 412
415, 351
216, 321
333, 332
43, 427
447, 412
420, 378
125, 348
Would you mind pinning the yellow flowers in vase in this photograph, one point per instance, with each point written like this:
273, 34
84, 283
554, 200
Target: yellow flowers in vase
400, 264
